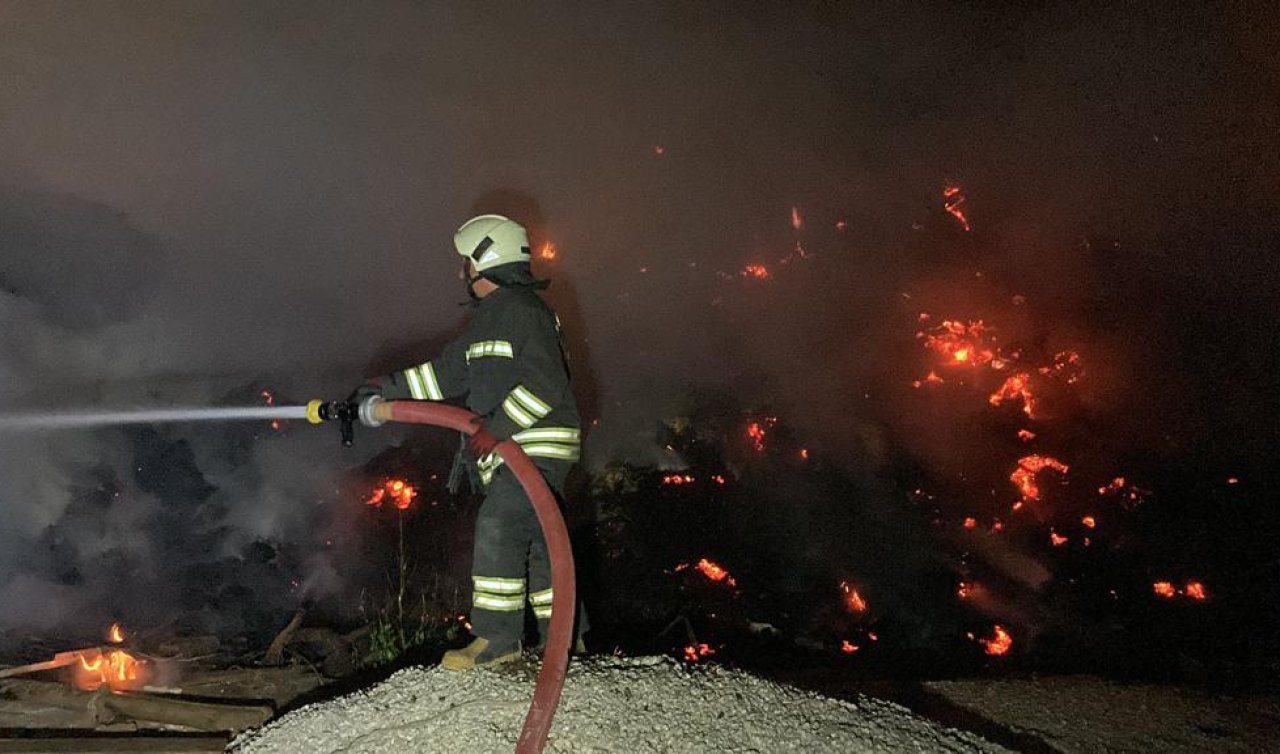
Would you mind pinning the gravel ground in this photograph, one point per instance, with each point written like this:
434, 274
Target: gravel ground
1084, 714
647, 704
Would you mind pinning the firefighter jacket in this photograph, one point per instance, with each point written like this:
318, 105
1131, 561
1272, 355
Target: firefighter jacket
510, 363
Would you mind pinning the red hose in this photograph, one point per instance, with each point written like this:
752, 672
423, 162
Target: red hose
555, 662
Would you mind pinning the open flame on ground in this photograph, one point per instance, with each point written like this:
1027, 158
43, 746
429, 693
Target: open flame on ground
113, 668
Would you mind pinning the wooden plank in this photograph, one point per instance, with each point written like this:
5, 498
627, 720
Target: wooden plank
60, 660
206, 716
110, 744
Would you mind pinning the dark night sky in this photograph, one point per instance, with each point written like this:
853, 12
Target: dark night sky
232, 190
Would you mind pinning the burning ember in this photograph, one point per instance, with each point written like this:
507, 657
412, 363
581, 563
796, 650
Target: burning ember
953, 202
270, 400
757, 271
1194, 591
1026, 435
1089, 522
965, 590
1067, 365
711, 571
796, 221
852, 600
695, 652
115, 634
960, 344
931, 378
756, 433
848, 647
548, 251
1116, 485
678, 479
1056, 539
1024, 477
1016, 386
400, 492
1000, 642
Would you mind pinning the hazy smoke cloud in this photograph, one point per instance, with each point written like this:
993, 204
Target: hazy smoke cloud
206, 193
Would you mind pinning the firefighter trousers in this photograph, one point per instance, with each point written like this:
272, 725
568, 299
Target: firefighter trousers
510, 565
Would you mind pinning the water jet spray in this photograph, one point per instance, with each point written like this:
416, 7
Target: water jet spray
372, 412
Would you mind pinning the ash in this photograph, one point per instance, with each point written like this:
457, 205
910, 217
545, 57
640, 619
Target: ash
637, 705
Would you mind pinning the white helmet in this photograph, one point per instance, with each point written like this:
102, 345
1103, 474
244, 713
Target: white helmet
492, 241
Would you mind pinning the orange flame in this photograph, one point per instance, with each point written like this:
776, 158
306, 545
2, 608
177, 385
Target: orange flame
400, 492
695, 652
548, 251
999, 644
1067, 366
931, 378
953, 201
1024, 477
1026, 435
756, 433
960, 344
1116, 485
1194, 591
115, 669
712, 571
115, 634
1016, 386
852, 600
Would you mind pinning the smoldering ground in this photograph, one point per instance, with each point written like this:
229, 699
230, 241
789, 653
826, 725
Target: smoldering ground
212, 196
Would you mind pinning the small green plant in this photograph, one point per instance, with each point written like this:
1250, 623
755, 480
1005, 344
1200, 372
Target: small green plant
384, 642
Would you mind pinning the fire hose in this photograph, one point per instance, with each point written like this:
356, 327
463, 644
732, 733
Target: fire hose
555, 661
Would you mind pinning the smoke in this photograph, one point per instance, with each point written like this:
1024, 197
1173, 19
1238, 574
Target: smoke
213, 196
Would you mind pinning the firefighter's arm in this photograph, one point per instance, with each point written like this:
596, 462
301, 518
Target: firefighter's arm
541, 380
441, 378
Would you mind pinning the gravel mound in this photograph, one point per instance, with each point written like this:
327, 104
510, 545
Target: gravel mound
649, 704
1084, 715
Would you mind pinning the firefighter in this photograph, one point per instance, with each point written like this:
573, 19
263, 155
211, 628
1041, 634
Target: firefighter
510, 364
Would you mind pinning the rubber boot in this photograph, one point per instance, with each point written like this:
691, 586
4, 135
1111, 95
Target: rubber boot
579, 647
480, 654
